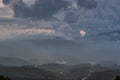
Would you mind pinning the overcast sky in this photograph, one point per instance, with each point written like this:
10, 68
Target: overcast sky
92, 24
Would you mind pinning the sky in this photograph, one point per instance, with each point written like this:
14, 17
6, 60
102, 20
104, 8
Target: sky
87, 24
71, 19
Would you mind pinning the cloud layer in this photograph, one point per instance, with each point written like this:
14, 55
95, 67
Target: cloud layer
44, 9
41, 9
98, 16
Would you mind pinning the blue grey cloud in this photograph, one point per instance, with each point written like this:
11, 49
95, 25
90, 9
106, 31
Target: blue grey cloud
44, 9
88, 3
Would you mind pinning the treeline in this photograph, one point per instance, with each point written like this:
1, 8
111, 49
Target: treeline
117, 78
7, 78
4, 78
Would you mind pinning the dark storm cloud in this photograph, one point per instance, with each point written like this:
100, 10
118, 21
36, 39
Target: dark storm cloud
44, 9
6, 1
89, 4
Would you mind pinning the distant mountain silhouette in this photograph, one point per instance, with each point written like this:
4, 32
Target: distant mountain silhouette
11, 61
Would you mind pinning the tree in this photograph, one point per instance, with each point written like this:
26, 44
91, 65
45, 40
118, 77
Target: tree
117, 78
4, 78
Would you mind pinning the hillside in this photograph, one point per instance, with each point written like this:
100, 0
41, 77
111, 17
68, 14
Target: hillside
11, 61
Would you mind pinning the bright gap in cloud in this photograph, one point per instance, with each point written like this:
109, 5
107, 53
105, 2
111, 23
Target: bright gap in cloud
8, 33
5, 11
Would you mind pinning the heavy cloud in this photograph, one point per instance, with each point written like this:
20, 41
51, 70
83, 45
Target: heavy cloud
88, 3
44, 9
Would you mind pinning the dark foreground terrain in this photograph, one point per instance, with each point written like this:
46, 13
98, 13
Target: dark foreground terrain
56, 71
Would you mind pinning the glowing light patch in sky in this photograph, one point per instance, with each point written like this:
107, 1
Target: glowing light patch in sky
1, 4
82, 33
5, 11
